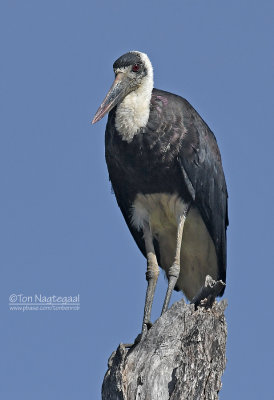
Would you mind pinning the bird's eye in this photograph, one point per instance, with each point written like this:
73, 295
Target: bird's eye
135, 67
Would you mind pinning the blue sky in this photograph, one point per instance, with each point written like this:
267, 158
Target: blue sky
61, 230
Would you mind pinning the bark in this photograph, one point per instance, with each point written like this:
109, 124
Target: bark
182, 357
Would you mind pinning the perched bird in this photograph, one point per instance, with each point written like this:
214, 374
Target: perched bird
166, 172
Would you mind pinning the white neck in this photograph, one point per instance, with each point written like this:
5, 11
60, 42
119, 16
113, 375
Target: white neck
133, 113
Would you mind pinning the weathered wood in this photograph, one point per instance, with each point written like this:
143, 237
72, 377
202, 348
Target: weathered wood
182, 357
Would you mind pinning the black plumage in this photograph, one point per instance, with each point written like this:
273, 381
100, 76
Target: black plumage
175, 153
166, 172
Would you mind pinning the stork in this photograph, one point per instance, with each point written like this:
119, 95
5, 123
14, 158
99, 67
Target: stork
166, 172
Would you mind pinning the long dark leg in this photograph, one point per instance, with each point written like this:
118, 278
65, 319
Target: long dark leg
174, 270
151, 276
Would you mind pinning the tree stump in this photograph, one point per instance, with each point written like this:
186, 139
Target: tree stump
181, 357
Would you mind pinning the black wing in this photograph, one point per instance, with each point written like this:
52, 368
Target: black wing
200, 162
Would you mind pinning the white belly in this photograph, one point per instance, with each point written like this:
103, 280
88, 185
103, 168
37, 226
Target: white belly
198, 256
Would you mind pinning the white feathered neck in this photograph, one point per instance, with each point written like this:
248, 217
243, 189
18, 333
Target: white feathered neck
133, 113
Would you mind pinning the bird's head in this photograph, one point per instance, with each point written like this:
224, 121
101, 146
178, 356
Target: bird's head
132, 71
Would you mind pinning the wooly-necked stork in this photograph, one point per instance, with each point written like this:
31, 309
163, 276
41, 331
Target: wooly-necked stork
166, 172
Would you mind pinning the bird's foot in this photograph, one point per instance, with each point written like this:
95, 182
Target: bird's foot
208, 293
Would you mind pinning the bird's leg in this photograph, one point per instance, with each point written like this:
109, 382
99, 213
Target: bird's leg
174, 270
151, 276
